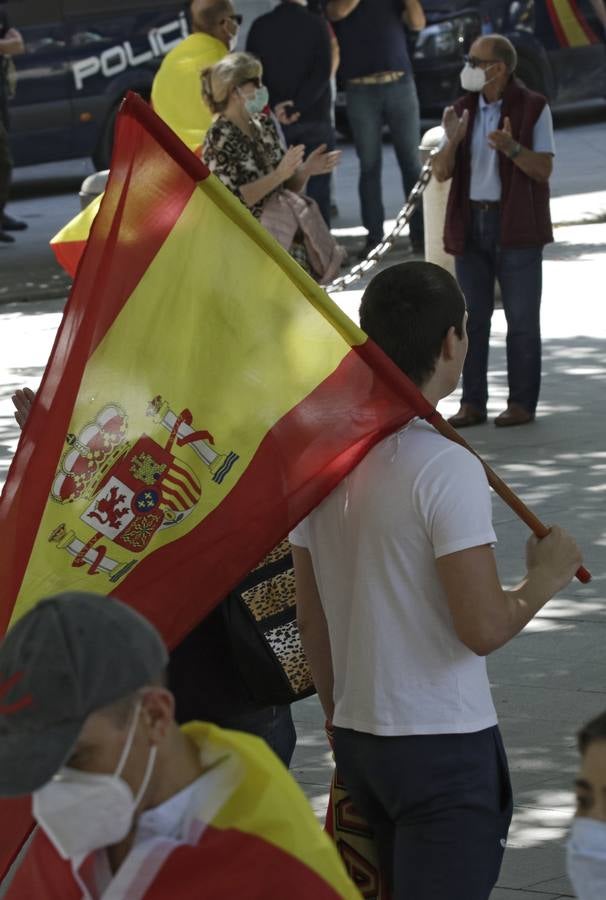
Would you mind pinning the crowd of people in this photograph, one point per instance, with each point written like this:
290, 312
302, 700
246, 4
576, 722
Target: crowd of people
398, 599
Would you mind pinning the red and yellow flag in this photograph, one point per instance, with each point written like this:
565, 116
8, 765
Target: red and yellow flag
202, 396
570, 25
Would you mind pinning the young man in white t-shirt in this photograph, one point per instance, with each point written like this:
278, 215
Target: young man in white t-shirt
399, 601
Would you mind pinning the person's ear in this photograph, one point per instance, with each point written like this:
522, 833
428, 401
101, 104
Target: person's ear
158, 712
449, 344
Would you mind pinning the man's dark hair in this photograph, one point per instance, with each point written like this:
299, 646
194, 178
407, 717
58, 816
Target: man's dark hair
593, 731
407, 310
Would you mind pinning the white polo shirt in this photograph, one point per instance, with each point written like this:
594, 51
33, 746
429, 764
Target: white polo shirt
399, 667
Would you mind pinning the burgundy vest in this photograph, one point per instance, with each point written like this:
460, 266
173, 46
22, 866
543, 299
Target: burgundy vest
525, 217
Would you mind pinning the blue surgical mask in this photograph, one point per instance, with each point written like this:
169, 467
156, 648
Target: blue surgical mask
586, 858
257, 103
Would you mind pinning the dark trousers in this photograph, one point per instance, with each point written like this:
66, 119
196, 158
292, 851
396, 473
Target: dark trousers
272, 723
369, 108
440, 807
519, 273
6, 166
312, 134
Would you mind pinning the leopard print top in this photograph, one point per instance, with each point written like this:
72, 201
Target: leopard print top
238, 159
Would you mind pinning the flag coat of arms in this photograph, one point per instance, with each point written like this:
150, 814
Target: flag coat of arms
203, 394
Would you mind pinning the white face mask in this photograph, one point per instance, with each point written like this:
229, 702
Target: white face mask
84, 811
586, 858
473, 78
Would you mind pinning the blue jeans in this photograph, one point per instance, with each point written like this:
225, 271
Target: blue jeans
439, 805
272, 723
519, 273
369, 108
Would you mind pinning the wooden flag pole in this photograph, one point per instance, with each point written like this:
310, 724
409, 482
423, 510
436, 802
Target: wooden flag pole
498, 485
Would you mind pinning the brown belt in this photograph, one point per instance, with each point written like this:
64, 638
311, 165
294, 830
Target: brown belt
485, 204
377, 78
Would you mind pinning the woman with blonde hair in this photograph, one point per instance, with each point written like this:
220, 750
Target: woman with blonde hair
243, 148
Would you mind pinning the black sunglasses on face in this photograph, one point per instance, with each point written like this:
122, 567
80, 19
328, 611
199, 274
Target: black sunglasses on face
237, 18
473, 61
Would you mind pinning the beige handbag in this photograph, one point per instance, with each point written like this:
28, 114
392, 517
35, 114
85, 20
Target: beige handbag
286, 213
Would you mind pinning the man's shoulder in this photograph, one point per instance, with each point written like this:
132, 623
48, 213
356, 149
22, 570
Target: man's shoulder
195, 49
425, 449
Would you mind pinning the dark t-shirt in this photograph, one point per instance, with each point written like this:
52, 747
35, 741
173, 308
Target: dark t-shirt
4, 26
372, 39
294, 46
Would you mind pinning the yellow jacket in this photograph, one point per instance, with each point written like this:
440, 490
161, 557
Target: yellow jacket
177, 93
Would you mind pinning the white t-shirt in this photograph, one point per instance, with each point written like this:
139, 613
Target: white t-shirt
399, 667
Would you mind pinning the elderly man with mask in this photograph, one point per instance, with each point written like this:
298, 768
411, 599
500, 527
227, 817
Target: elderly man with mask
128, 804
499, 153
176, 92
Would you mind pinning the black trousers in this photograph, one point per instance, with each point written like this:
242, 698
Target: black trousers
6, 166
440, 807
312, 134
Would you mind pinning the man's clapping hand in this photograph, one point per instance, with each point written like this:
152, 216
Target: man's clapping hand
455, 127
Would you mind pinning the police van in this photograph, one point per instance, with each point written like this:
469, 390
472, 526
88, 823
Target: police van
81, 57
561, 47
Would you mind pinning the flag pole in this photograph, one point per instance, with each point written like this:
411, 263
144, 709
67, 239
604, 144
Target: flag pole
499, 487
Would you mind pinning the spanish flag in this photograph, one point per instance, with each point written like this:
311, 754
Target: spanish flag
203, 395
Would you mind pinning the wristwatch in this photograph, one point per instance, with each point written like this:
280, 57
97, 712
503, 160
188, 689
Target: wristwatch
517, 149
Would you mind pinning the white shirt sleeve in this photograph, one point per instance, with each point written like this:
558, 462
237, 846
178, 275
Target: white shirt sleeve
298, 537
543, 140
453, 499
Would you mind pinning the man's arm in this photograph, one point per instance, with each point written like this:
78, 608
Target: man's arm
340, 9
485, 616
537, 166
12, 43
313, 629
414, 15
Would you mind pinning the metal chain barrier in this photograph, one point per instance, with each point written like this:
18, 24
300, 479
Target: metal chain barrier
377, 253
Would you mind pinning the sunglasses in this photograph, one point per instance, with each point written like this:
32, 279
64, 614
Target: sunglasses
237, 18
474, 62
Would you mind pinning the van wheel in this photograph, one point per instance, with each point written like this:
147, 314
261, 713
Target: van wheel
530, 75
103, 151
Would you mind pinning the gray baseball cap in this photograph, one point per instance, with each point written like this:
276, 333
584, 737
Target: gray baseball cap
68, 657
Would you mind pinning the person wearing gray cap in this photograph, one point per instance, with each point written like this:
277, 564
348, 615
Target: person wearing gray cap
130, 805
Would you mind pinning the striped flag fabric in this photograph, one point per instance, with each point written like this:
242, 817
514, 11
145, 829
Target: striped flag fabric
69, 243
203, 394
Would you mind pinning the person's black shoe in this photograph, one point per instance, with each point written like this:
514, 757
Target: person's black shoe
10, 224
370, 244
6, 238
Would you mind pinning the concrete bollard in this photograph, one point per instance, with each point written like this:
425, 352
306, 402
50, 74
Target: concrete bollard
435, 198
92, 186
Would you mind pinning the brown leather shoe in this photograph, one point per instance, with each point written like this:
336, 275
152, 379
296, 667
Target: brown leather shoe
514, 415
466, 416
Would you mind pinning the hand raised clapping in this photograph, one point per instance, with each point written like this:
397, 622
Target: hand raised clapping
321, 161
